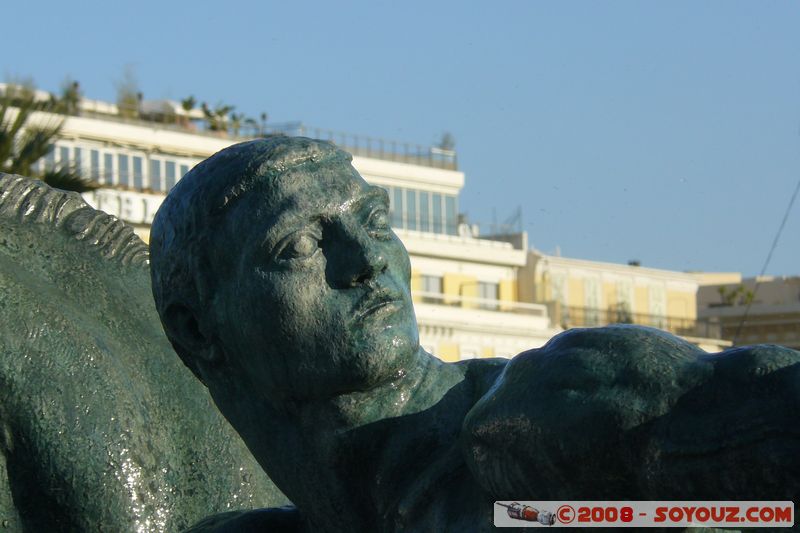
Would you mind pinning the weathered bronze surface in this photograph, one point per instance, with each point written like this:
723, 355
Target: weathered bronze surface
101, 426
282, 286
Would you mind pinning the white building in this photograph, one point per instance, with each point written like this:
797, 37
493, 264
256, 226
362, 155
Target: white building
464, 287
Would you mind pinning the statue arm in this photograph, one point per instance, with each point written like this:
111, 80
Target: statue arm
634, 413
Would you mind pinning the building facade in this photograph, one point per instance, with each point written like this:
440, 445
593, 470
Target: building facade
757, 310
582, 293
465, 288
474, 297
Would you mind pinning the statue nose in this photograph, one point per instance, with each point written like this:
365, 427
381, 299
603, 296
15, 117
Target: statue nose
372, 263
355, 260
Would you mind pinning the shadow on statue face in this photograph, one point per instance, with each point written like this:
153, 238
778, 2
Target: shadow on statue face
315, 296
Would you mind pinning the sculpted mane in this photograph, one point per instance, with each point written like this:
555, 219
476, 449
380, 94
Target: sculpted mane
102, 428
31, 201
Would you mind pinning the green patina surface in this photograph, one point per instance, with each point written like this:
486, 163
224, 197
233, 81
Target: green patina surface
102, 428
282, 287
281, 284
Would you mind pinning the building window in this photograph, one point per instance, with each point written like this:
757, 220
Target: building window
124, 173
432, 287
411, 209
169, 175
138, 174
424, 211
437, 212
155, 175
94, 162
78, 161
108, 168
184, 170
591, 289
658, 306
63, 156
559, 298
488, 293
451, 223
417, 210
623, 313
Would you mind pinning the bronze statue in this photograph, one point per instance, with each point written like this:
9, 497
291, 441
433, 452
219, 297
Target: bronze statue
101, 426
282, 286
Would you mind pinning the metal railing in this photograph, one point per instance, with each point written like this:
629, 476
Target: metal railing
480, 303
375, 147
359, 145
570, 317
194, 127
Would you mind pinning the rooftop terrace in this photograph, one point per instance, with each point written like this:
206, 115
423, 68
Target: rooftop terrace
171, 115
375, 147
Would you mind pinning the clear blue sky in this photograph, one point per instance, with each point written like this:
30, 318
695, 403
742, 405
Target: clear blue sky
668, 132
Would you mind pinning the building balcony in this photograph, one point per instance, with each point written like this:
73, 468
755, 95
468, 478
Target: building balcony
572, 317
169, 116
469, 302
374, 147
758, 323
479, 314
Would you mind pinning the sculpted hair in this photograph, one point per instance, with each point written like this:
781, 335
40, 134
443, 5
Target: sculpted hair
182, 234
32, 201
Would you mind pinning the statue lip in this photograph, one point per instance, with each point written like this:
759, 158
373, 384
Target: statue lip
378, 300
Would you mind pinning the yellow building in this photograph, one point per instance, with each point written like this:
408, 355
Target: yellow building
756, 310
582, 293
466, 297
464, 287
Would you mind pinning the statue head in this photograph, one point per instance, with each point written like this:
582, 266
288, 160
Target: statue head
274, 267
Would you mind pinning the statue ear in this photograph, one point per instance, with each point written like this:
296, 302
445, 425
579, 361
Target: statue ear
184, 329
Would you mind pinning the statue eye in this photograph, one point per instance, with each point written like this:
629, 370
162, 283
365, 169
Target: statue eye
299, 245
378, 222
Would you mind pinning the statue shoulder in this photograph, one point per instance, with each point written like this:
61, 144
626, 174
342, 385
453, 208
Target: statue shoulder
585, 415
482, 374
574, 397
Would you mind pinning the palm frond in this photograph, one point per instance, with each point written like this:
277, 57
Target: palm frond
67, 179
22, 143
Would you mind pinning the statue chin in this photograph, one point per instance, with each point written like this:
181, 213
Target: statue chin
389, 363
375, 362
372, 355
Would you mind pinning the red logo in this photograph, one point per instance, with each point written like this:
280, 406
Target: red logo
565, 514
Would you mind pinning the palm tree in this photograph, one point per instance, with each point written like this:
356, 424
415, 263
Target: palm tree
129, 97
264, 118
447, 142
218, 117
69, 103
188, 104
252, 127
236, 123
22, 145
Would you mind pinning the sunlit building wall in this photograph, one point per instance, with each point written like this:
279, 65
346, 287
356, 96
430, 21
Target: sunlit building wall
757, 310
465, 288
583, 293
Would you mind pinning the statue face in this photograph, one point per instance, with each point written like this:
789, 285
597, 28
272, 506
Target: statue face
314, 295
